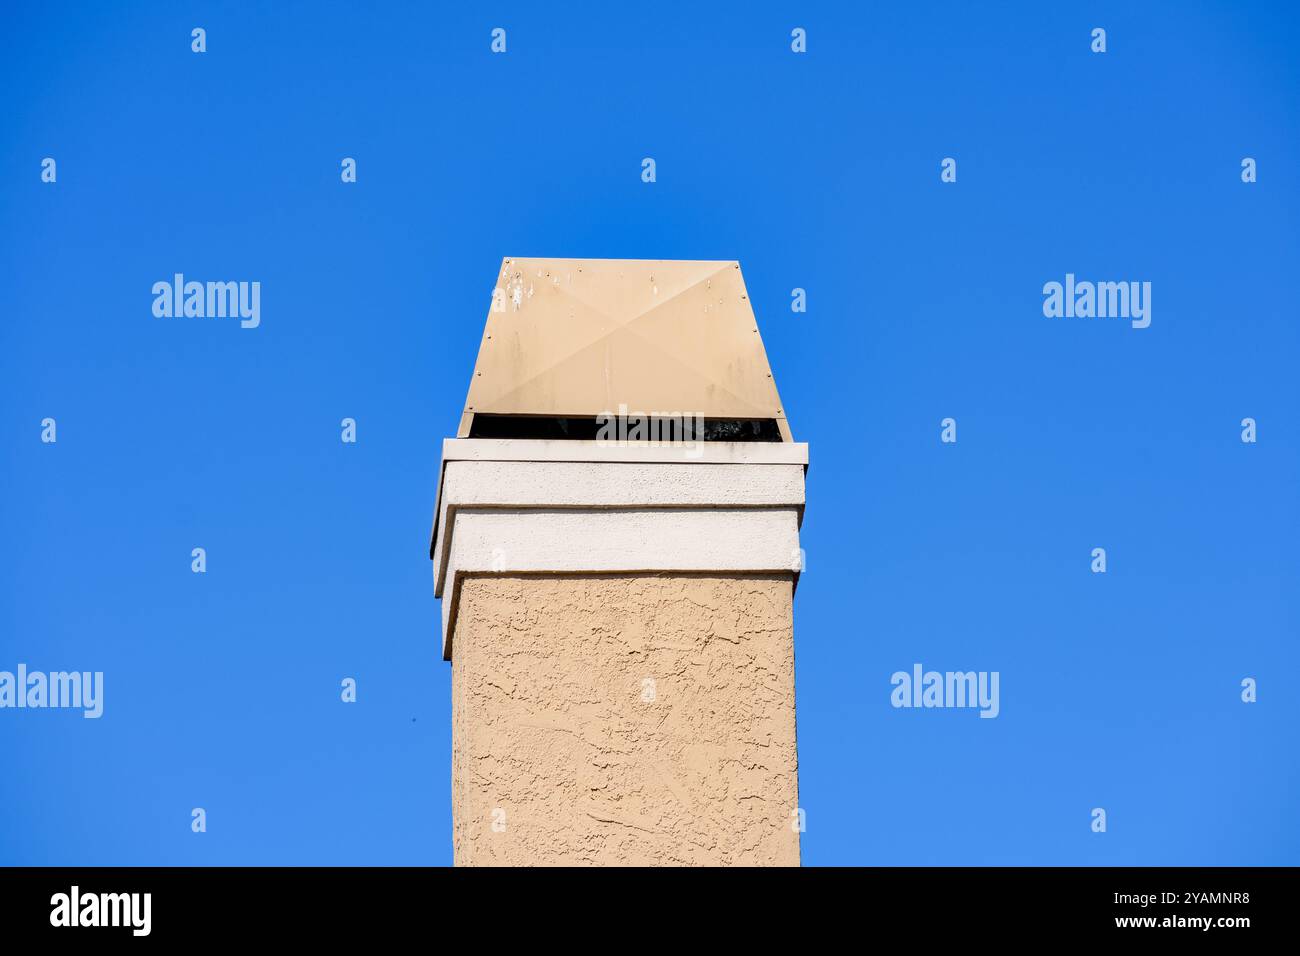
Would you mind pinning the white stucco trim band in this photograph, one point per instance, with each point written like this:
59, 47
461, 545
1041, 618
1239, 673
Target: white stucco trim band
484, 485
537, 451
527, 507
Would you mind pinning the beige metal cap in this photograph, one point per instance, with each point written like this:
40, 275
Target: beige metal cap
577, 338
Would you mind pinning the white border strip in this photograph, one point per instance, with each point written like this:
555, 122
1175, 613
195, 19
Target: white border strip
480, 485
530, 450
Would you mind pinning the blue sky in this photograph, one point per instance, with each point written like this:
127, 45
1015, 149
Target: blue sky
1118, 690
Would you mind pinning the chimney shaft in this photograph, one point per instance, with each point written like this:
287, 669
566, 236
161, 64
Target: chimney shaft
618, 612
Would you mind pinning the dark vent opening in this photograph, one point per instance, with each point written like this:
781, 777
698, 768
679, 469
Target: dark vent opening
570, 428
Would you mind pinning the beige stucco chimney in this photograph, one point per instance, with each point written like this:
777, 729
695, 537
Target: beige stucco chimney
616, 547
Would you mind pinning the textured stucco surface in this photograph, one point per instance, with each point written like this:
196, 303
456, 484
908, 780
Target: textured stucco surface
553, 739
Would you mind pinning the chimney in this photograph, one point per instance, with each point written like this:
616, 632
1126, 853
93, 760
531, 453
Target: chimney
616, 548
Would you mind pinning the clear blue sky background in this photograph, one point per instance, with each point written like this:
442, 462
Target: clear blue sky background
821, 171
